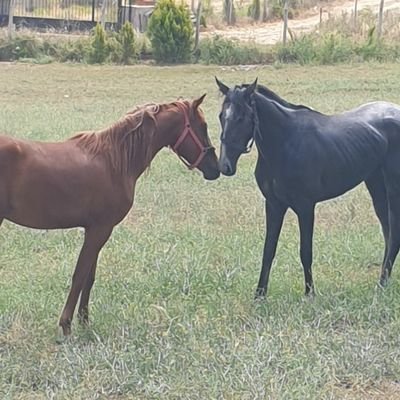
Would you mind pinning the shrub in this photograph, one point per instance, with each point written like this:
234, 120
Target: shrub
299, 50
20, 46
171, 32
122, 46
126, 37
99, 50
144, 46
76, 50
334, 48
228, 52
312, 48
371, 48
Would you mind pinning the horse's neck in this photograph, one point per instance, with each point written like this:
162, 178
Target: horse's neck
164, 136
273, 124
169, 128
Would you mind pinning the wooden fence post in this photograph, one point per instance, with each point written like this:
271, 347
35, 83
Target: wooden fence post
380, 19
11, 19
320, 16
285, 21
355, 14
198, 20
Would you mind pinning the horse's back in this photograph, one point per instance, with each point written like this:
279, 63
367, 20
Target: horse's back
10, 150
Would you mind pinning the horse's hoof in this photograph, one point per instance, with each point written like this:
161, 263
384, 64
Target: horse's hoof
260, 294
61, 336
64, 329
310, 294
382, 284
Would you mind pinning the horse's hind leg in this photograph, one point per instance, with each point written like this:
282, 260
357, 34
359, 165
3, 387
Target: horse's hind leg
83, 310
393, 241
377, 189
392, 181
95, 238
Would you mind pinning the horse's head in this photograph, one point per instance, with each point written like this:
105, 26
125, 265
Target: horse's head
238, 125
193, 145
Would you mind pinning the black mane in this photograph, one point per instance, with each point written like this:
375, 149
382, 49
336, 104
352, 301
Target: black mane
269, 94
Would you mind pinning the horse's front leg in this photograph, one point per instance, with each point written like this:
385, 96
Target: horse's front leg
83, 310
274, 212
95, 238
305, 216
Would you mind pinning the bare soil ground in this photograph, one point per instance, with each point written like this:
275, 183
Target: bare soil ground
271, 32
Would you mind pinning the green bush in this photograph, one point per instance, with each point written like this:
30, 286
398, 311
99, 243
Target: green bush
318, 49
372, 48
126, 37
99, 49
19, 47
334, 48
171, 32
300, 50
222, 51
76, 50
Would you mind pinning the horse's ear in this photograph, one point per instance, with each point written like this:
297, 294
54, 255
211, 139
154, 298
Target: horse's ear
251, 88
198, 101
222, 87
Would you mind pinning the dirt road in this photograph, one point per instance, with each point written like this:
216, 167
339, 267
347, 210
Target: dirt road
270, 33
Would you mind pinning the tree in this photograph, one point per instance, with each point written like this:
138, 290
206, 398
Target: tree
171, 32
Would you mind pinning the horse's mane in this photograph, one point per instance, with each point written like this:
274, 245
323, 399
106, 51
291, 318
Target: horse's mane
269, 94
124, 142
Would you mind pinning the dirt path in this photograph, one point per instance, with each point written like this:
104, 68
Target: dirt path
270, 33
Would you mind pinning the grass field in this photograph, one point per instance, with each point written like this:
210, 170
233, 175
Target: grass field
172, 309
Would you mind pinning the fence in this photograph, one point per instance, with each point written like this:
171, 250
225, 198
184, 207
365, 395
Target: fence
77, 14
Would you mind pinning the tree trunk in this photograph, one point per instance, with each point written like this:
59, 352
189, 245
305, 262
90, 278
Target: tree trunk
265, 11
285, 20
380, 19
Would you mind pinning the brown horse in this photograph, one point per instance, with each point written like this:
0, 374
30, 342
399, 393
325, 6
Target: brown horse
89, 180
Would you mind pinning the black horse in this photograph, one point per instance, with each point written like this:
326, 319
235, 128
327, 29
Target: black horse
305, 157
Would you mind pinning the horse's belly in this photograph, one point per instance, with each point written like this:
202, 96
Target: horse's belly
46, 206
45, 217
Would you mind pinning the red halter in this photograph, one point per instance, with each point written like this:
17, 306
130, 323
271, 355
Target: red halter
187, 130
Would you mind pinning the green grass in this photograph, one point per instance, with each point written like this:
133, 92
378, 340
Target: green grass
172, 310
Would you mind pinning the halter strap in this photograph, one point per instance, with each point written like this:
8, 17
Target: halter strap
188, 131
